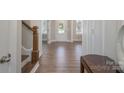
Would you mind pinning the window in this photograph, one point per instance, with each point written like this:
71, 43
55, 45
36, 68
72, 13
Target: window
61, 28
44, 26
78, 27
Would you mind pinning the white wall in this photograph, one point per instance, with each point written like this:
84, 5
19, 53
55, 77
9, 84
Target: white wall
110, 40
52, 30
68, 29
100, 37
12, 36
76, 37
27, 36
15, 37
19, 45
49, 32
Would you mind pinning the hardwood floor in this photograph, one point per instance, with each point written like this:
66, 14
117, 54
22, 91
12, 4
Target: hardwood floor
61, 58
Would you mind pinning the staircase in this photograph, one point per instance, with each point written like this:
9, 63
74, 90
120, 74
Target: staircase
30, 56
25, 59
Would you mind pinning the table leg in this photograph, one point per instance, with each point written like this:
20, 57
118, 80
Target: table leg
81, 65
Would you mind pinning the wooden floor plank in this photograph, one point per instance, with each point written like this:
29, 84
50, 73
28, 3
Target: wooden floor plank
61, 58
27, 68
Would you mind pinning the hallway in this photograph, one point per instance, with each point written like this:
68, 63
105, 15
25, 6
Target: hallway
61, 58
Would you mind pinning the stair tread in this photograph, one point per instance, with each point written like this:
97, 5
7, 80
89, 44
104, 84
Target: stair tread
27, 68
23, 57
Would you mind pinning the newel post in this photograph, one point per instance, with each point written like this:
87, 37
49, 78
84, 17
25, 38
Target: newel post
35, 51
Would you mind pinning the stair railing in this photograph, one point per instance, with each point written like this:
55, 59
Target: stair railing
35, 50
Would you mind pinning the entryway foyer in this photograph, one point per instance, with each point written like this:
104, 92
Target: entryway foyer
61, 46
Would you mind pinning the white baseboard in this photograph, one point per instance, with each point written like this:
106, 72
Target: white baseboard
51, 41
77, 40
40, 53
35, 67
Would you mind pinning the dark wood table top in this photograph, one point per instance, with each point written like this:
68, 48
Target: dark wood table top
99, 64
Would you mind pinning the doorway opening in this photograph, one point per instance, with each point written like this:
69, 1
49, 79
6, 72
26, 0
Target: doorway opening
77, 32
44, 33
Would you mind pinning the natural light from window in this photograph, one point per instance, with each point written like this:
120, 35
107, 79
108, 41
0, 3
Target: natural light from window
61, 28
44, 26
78, 27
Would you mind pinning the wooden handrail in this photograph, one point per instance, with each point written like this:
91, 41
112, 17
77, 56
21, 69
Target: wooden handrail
27, 25
35, 51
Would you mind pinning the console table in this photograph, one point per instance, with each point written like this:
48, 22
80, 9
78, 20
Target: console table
98, 64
